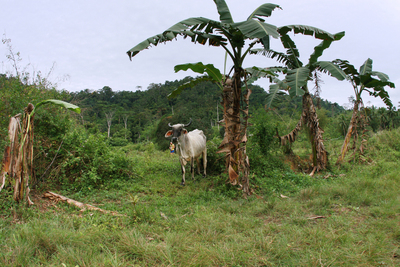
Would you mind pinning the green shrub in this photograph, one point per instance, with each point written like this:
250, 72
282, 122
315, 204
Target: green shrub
86, 160
215, 162
268, 170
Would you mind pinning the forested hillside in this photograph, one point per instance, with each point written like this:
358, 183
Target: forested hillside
135, 115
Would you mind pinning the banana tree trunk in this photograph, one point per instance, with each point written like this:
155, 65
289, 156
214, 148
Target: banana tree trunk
235, 139
18, 156
320, 155
350, 131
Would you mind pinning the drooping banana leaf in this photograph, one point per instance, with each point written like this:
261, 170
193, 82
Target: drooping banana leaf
252, 29
278, 56
382, 76
213, 73
306, 30
265, 10
378, 87
332, 69
60, 103
291, 51
199, 67
319, 49
349, 69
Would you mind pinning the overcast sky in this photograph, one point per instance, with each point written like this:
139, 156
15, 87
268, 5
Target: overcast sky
88, 40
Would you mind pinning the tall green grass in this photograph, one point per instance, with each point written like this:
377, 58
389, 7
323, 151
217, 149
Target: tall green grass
350, 218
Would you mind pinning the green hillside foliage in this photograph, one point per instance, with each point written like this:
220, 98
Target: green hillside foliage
74, 148
143, 108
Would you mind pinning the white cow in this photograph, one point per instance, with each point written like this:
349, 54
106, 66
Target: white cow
190, 146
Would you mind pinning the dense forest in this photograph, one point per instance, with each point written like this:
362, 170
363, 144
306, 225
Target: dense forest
132, 114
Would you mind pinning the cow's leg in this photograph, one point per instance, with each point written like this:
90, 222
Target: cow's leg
183, 171
205, 161
198, 165
192, 167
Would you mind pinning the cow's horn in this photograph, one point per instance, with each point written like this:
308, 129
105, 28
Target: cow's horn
169, 124
190, 122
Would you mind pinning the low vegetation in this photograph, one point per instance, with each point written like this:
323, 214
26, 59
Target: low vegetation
344, 217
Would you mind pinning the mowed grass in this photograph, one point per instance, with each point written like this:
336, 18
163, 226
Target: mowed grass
350, 218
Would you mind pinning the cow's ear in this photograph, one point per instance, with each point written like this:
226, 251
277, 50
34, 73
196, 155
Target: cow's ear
184, 131
168, 134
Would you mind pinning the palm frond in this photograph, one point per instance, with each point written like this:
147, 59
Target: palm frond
213, 72
331, 68
319, 49
379, 91
255, 29
349, 69
382, 76
265, 10
186, 28
366, 67
291, 50
307, 30
257, 73
223, 11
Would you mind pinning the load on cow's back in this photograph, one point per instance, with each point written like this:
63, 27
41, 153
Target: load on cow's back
189, 146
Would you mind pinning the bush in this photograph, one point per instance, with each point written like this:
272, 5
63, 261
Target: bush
268, 170
215, 162
86, 160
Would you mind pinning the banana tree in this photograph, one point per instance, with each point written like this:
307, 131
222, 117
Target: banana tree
365, 79
232, 38
18, 156
296, 81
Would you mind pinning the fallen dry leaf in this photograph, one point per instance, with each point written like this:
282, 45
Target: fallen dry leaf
163, 215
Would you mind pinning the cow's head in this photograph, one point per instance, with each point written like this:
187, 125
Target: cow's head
177, 131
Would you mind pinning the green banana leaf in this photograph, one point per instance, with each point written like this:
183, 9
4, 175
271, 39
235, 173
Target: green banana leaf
60, 103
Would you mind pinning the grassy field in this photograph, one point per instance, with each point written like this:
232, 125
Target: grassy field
347, 217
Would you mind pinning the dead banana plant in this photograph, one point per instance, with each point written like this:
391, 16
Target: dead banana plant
309, 120
17, 159
18, 155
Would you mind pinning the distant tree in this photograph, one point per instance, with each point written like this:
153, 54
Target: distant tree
109, 117
125, 118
